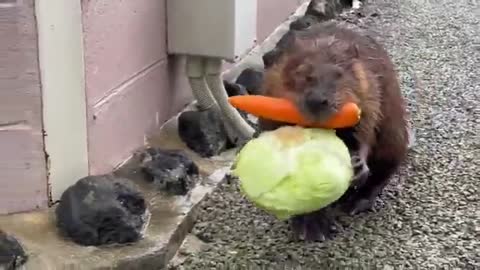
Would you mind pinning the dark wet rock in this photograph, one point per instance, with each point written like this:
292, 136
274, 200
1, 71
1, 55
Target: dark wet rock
235, 89
100, 210
203, 132
273, 55
12, 254
286, 41
269, 58
303, 22
249, 119
251, 79
327, 9
171, 171
253, 123
346, 3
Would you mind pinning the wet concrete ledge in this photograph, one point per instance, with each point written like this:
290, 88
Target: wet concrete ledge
172, 217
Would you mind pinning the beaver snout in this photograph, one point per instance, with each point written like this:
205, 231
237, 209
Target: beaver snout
316, 103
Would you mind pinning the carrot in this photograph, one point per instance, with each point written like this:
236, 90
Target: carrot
283, 110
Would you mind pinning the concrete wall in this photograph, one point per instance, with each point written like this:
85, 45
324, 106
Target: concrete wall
23, 180
132, 86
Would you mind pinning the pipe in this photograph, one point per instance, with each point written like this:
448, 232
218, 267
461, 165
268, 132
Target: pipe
232, 117
195, 69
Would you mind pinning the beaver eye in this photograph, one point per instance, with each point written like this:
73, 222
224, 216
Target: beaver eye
337, 74
309, 79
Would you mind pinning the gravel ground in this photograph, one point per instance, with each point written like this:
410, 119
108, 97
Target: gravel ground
429, 217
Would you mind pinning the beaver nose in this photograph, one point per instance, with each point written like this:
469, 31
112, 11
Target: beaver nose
316, 102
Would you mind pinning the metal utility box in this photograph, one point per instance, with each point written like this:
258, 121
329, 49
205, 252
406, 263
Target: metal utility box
213, 28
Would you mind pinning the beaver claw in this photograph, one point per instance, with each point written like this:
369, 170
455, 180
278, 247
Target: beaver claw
361, 170
311, 228
355, 207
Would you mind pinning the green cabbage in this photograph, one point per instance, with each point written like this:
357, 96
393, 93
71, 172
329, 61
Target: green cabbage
293, 170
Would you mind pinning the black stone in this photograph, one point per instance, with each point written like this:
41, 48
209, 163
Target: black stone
171, 171
304, 22
245, 116
284, 43
251, 79
12, 254
203, 132
240, 143
287, 40
269, 58
100, 210
235, 89
326, 9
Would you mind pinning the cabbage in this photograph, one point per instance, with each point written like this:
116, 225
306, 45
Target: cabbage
293, 170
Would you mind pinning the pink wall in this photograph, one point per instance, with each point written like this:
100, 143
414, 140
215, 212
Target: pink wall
271, 13
23, 180
132, 86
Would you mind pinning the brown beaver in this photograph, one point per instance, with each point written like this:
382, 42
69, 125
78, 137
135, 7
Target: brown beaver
323, 67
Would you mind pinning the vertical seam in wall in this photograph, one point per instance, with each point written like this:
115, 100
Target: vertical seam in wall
166, 27
47, 157
82, 12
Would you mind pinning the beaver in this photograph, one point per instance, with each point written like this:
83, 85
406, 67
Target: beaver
321, 68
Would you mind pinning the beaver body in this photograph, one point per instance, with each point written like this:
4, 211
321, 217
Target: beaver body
323, 67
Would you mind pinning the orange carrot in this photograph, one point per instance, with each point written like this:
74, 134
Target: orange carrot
283, 110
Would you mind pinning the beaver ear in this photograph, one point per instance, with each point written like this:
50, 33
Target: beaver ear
347, 48
353, 50
304, 69
302, 42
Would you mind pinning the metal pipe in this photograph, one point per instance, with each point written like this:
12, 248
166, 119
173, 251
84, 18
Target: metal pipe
232, 117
